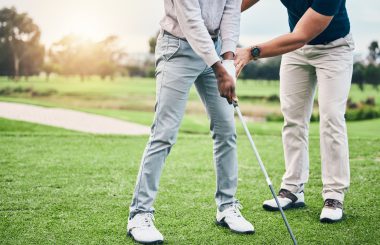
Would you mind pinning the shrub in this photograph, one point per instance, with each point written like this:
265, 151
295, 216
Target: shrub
355, 111
273, 98
351, 104
15, 90
8, 91
274, 117
363, 113
47, 92
370, 101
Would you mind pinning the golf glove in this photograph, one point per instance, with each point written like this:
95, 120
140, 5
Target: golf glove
230, 68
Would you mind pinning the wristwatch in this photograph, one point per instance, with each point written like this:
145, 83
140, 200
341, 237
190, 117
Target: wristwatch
255, 52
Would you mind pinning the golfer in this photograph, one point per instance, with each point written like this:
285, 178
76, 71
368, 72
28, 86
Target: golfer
318, 52
193, 36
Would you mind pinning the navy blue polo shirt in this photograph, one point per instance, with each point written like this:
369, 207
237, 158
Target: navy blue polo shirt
339, 26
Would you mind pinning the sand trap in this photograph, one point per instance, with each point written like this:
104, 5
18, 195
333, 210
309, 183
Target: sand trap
70, 119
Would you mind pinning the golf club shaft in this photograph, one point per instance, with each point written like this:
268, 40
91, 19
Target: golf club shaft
283, 215
264, 171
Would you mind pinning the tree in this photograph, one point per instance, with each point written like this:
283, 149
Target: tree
152, 43
64, 54
6, 62
374, 52
358, 75
110, 56
372, 75
20, 40
73, 55
266, 69
49, 68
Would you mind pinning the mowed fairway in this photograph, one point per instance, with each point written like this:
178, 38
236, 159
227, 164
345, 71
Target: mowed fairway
133, 99
64, 187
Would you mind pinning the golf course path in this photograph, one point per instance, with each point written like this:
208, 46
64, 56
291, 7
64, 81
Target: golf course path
70, 119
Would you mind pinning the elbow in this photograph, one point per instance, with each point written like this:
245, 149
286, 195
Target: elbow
301, 44
301, 40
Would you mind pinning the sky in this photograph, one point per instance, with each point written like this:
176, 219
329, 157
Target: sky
135, 21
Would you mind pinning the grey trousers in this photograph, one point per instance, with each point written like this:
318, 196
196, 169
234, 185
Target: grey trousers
330, 68
177, 68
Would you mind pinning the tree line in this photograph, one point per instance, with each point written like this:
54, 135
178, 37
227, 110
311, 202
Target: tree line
22, 54
368, 72
73, 55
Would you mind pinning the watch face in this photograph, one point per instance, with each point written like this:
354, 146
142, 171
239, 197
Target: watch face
255, 52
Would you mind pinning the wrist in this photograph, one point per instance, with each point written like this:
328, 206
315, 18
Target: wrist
217, 66
255, 52
218, 69
228, 55
248, 50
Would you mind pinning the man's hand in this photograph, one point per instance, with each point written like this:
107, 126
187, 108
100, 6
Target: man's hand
226, 83
242, 58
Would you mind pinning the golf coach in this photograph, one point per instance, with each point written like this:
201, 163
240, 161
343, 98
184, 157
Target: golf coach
194, 34
319, 52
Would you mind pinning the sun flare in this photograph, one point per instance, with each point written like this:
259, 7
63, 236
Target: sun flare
87, 26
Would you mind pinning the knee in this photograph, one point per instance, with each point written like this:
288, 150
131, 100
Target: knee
294, 117
225, 133
162, 140
293, 114
225, 137
165, 138
331, 115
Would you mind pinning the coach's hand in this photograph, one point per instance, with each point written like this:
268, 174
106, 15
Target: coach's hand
226, 83
243, 57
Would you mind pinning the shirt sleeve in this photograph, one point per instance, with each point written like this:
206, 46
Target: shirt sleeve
190, 20
230, 26
327, 7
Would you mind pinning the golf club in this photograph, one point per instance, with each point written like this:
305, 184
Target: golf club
237, 109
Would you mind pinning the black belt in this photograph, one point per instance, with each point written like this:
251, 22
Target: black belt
214, 39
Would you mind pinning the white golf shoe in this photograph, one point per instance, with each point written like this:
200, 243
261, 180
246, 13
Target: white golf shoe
286, 199
232, 219
332, 211
141, 228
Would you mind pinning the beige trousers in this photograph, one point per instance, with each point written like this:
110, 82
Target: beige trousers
330, 68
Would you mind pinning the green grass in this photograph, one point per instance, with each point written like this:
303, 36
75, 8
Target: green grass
124, 87
133, 99
63, 187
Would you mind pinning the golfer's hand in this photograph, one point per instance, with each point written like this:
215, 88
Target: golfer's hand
242, 58
226, 83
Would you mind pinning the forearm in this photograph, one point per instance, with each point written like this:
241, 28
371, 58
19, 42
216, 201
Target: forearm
246, 4
281, 45
309, 27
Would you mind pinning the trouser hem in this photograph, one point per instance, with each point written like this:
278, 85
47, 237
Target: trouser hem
292, 188
333, 195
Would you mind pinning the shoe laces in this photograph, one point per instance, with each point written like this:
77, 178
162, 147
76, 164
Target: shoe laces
332, 203
287, 194
234, 210
145, 220
283, 193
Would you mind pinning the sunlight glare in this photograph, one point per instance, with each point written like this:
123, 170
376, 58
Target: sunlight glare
85, 25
